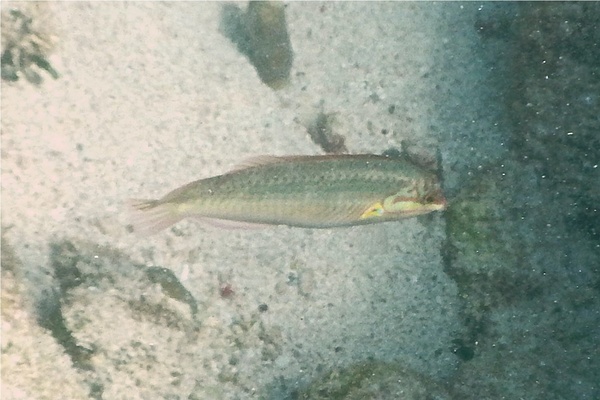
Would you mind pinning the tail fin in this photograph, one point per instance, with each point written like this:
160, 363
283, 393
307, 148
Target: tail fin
150, 216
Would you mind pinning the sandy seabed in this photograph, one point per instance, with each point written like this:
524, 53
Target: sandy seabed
151, 96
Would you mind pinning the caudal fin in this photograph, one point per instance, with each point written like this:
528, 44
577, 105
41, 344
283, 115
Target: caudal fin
150, 216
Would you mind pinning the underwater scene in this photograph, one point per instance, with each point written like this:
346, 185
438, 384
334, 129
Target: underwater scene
300, 200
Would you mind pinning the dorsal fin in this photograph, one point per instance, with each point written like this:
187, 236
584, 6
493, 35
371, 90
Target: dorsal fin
257, 161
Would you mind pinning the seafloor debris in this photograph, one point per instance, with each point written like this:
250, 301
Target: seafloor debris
321, 133
26, 43
171, 286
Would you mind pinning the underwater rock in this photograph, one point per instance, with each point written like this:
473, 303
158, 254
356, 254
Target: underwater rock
554, 102
26, 42
510, 257
50, 316
261, 34
35, 363
270, 49
524, 237
373, 380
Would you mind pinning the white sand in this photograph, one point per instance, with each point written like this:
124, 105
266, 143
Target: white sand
152, 96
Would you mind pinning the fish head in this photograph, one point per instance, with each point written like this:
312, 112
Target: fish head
423, 196
420, 197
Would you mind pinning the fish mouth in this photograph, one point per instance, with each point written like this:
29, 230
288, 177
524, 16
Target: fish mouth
441, 203
420, 209
436, 200
438, 205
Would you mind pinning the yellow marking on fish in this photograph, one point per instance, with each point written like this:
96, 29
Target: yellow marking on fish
411, 204
398, 203
376, 210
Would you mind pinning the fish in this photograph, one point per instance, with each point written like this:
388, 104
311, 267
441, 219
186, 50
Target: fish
322, 191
